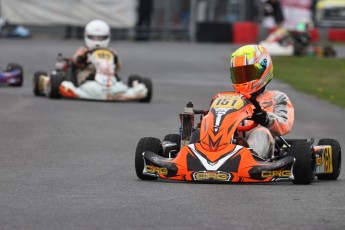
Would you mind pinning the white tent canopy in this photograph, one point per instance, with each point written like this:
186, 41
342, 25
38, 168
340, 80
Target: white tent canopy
117, 13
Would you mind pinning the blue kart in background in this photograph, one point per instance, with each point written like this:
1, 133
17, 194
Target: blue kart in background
12, 75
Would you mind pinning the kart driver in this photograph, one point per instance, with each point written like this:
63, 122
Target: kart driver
251, 69
96, 35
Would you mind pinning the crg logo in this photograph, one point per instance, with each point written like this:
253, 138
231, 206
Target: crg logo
283, 173
153, 169
210, 175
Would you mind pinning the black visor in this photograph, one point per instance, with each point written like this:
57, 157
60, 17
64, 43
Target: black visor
97, 38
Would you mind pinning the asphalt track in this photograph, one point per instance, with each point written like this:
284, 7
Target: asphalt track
67, 164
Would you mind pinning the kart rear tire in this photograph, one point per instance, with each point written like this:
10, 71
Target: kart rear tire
146, 144
15, 66
336, 159
303, 169
36, 81
148, 83
175, 138
195, 137
132, 79
53, 89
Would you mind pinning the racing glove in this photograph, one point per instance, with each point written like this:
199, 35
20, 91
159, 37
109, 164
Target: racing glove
82, 59
260, 117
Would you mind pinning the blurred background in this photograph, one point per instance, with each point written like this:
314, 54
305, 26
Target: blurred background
232, 21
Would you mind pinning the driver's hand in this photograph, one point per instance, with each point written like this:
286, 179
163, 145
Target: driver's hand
82, 59
260, 117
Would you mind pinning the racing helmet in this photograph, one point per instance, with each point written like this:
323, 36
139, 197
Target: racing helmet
97, 34
251, 68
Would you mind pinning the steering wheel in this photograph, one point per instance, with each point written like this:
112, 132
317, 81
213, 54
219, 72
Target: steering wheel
247, 127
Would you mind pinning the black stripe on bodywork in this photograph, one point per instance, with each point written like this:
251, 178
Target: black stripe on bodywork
231, 165
194, 164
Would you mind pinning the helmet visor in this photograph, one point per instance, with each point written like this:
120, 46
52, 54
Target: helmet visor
97, 38
244, 74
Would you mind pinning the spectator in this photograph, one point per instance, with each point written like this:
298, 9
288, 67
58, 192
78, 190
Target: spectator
273, 8
144, 19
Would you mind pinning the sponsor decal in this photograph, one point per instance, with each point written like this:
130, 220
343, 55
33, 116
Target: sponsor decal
211, 175
228, 102
318, 161
327, 156
324, 162
156, 170
281, 173
103, 54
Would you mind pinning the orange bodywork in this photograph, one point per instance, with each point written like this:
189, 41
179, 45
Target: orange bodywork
65, 92
247, 162
233, 164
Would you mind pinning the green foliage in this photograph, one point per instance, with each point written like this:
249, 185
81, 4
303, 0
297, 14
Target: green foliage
321, 77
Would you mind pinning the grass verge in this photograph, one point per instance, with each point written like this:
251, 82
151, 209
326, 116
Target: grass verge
321, 77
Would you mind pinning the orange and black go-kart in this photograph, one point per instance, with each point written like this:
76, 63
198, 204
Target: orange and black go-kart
213, 151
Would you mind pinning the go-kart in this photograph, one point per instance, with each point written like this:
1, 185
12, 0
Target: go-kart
12, 75
213, 150
283, 42
103, 85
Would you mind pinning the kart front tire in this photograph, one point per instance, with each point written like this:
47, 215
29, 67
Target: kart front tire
336, 159
146, 144
303, 169
36, 82
148, 83
53, 89
15, 66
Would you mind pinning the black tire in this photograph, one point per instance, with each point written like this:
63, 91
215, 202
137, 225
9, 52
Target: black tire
55, 81
35, 82
148, 83
14, 66
132, 79
195, 137
303, 169
146, 144
175, 138
336, 159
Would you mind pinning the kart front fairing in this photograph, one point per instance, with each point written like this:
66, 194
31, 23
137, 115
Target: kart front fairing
93, 90
232, 164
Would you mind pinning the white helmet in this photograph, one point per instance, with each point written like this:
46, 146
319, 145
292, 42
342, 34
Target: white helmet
97, 34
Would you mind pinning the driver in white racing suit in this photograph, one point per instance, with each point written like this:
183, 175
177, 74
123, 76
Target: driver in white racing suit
251, 69
96, 35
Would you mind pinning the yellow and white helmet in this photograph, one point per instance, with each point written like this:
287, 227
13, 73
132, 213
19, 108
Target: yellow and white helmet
251, 68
